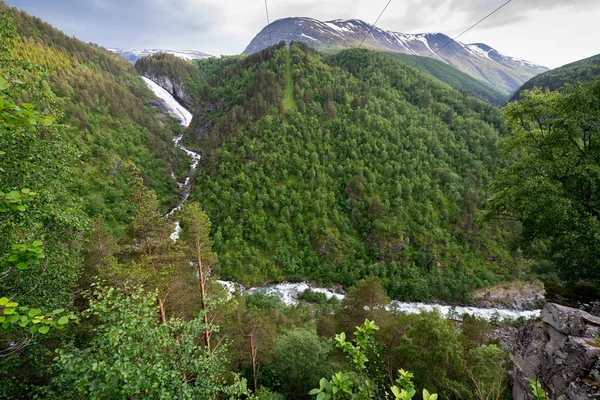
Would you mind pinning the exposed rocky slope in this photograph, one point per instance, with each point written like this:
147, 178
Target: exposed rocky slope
560, 352
172, 74
478, 60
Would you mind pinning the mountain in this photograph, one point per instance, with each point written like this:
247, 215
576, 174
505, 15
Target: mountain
111, 122
478, 60
134, 55
453, 77
334, 167
584, 70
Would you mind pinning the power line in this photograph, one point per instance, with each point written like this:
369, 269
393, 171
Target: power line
375, 23
268, 22
468, 29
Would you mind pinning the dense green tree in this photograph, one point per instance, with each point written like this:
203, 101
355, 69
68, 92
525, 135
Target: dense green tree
378, 171
104, 111
551, 186
300, 358
41, 221
135, 354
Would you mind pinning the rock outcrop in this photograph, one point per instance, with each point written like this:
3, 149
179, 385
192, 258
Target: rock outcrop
177, 90
560, 352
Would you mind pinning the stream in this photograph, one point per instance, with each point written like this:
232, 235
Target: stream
288, 292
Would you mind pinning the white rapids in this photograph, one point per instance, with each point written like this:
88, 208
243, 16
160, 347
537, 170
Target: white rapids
178, 112
288, 294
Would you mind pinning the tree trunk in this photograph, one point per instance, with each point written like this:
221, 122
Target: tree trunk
252, 337
202, 280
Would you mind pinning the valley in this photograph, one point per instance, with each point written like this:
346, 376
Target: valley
341, 212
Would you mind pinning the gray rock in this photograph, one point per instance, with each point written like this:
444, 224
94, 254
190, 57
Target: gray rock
560, 353
569, 321
176, 89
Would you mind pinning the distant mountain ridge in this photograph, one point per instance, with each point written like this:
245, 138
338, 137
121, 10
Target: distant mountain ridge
584, 70
133, 55
478, 60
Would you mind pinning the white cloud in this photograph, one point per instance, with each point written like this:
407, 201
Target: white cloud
550, 32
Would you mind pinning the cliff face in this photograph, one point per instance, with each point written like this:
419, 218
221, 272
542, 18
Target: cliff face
177, 90
561, 353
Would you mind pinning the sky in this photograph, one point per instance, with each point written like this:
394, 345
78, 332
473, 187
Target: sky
547, 32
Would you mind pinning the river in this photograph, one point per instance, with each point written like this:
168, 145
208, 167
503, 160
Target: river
288, 292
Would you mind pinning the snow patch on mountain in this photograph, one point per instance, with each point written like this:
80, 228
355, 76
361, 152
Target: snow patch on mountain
135, 54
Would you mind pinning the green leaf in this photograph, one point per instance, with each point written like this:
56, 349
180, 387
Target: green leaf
34, 329
27, 106
3, 301
313, 392
22, 265
3, 84
33, 312
63, 320
321, 396
11, 305
37, 243
44, 329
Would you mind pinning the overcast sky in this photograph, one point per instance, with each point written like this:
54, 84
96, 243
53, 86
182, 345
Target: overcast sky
547, 32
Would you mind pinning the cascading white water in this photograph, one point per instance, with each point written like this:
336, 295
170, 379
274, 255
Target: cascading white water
178, 112
288, 292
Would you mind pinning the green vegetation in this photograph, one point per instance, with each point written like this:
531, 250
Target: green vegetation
107, 121
362, 385
581, 71
551, 187
453, 77
372, 179
289, 103
379, 171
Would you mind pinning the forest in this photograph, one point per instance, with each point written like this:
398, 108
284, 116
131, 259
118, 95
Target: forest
352, 170
335, 168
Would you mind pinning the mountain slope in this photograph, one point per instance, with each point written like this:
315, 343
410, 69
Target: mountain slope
366, 167
478, 60
111, 123
584, 70
134, 55
453, 77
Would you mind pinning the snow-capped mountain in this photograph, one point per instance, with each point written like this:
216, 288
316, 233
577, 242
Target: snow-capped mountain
134, 55
478, 60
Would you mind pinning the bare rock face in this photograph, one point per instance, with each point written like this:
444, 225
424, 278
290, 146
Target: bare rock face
177, 90
560, 352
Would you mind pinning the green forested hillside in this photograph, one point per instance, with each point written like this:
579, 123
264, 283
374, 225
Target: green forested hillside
585, 70
104, 104
453, 77
374, 168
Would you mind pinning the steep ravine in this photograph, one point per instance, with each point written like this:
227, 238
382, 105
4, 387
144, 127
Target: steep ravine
288, 292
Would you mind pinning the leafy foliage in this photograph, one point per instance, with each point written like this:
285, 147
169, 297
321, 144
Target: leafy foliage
551, 187
361, 385
536, 390
134, 355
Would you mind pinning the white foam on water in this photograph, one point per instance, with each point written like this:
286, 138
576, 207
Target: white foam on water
288, 292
